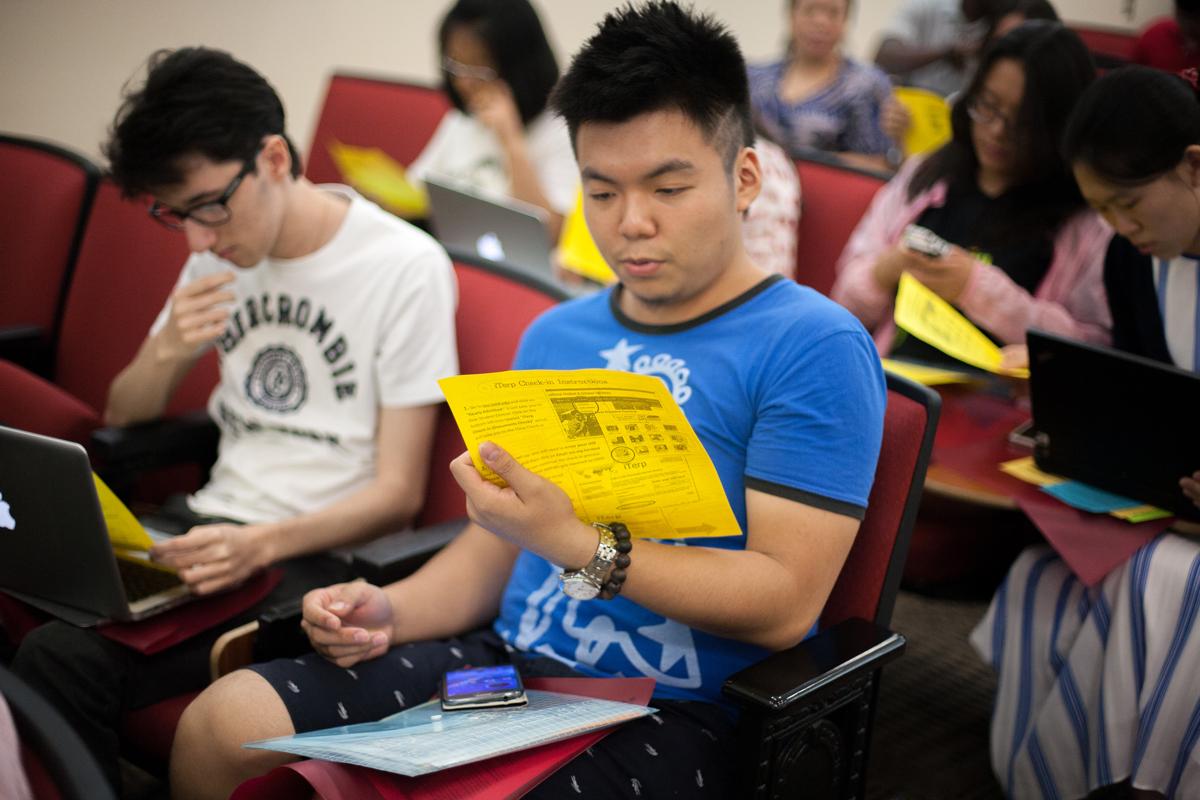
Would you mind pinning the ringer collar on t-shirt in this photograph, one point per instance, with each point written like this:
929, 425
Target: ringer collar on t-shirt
614, 304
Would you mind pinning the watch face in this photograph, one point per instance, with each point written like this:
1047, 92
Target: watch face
579, 588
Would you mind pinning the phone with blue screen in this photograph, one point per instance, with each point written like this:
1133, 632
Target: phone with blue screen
482, 687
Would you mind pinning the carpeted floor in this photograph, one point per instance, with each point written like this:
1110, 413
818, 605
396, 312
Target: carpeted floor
930, 739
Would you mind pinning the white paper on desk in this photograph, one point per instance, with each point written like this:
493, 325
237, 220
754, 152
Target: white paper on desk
426, 739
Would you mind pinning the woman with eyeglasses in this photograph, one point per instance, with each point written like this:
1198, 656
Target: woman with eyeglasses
1101, 684
498, 70
1025, 249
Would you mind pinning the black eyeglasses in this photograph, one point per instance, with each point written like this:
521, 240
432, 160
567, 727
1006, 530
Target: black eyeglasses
458, 69
984, 113
210, 213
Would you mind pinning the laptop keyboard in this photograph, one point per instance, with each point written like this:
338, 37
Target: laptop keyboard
141, 581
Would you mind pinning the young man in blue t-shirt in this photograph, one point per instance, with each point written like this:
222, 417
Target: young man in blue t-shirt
782, 386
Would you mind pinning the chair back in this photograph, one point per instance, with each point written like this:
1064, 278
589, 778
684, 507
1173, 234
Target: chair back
397, 117
127, 267
834, 198
56, 761
47, 192
1110, 47
870, 578
495, 305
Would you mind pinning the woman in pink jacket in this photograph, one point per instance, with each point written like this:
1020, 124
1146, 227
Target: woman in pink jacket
1026, 251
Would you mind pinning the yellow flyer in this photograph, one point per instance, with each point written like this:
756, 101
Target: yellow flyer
124, 530
925, 375
617, 443
577, 250
934, 321
378, 176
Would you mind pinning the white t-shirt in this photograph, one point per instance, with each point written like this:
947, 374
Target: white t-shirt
1177, 283
468, 151
935, 24
314, 348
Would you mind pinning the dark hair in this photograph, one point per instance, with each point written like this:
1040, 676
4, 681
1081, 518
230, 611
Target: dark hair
1187, 7
1133, 125
655, 57
1043, 194
1036, 9
195, 101
515, 38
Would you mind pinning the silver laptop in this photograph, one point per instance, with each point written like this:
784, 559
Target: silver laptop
55, 552
511, 232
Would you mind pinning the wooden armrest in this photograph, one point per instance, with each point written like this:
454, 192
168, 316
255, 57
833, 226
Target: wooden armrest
232, 650
816, 665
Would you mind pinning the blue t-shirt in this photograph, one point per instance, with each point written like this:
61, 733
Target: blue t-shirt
785, 390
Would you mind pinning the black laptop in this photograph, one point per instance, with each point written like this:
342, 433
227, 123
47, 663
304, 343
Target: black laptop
1119, 422
55, 553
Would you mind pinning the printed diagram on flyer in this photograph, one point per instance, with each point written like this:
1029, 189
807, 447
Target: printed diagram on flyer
617, 443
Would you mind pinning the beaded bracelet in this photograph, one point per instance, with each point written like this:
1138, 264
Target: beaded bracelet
616, 578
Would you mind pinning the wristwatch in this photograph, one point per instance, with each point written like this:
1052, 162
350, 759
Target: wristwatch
586, 583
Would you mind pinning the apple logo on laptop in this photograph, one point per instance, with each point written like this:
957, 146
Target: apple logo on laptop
489, 247
6, 517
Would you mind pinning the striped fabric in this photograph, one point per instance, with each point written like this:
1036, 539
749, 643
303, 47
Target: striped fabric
1178, 288
1099, 685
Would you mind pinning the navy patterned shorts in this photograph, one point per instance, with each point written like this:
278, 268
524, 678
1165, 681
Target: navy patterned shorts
682, 751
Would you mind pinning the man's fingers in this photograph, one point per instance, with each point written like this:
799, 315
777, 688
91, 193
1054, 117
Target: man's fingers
505, 466
205, 284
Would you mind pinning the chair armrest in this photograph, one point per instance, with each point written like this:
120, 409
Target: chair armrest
389, 558
806, 671
27, 345
381, 561
188, 438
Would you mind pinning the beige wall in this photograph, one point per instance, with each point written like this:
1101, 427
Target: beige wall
63, 62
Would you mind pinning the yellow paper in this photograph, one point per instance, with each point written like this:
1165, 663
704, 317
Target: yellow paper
924, 375
1141, 513
930, 119
124, 530
1026, 469
577, 250
934, 321
617, 443
378, 176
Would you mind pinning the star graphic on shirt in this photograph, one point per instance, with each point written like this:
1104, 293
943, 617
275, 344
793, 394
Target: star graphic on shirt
676, 641
618, 355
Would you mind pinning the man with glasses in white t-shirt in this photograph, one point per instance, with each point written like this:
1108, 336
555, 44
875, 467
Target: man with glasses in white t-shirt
332, 320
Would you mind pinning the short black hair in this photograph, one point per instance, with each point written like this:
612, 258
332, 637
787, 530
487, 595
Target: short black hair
195, 101
1133, 125
517, 42
658, 56
1058, 68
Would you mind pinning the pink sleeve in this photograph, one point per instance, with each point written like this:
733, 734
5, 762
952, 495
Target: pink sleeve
878, 230
1070, 300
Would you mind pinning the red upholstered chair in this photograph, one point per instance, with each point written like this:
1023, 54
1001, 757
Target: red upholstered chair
1111, 47
126, 267
834, 198
495, 305
397, 117
56, 762
47, 193
807, 712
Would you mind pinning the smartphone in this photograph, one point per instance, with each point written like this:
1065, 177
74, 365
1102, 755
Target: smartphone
925, 241
482, 687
